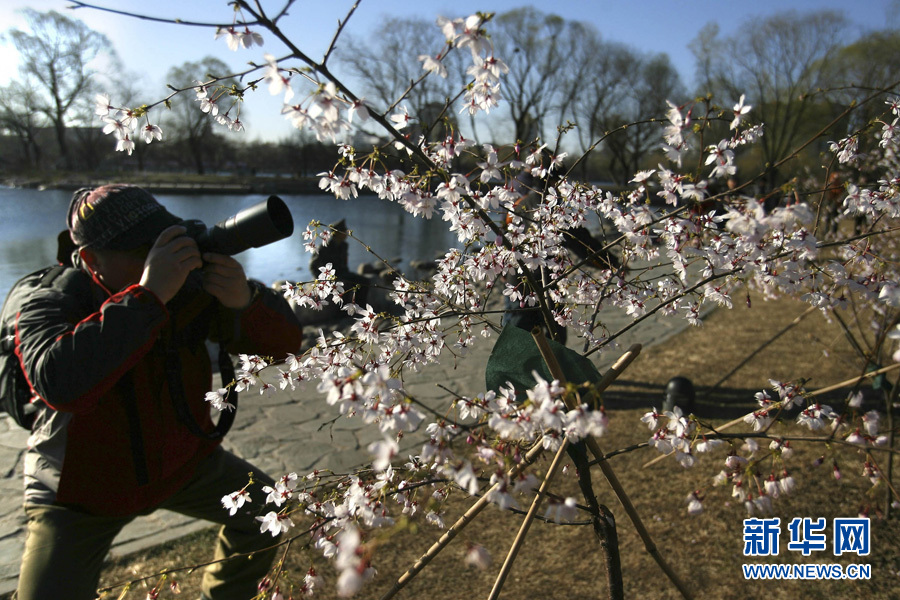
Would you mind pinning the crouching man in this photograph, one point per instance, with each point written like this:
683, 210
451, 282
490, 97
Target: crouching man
115, 352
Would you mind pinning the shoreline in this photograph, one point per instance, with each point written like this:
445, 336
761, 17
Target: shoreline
158, 184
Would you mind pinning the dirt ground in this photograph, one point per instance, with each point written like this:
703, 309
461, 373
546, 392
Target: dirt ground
566, 562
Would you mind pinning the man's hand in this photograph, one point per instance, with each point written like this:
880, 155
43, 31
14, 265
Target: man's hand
170, 260
224, 278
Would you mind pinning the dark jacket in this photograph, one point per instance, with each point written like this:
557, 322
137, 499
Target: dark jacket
109, 441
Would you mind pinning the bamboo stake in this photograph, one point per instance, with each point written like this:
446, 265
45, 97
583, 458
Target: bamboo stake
607, 469
812, 394
891, 398
526, 524
476, 508
460, 524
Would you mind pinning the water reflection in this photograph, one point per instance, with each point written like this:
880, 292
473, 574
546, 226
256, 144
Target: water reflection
30, 220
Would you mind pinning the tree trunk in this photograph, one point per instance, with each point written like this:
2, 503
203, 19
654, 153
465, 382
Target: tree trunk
60, 129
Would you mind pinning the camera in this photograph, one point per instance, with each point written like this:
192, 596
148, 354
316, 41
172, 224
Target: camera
258, 225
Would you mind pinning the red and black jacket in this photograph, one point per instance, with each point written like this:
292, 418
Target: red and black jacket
110, 440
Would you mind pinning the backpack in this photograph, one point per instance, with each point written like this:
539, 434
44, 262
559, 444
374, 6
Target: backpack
15, 393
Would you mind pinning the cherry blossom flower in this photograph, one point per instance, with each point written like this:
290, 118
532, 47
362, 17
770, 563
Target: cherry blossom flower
102, 105
208, 105
490, 167
759, 419
400, 118
276, 79
435, 519
233, 502
312, 580
847, 149
151, 132
814, 416
125, 144
324, 105
115, 126
652, 419
561, 512
642, 176
279, 494
433, 64
358, 108
740, 109
218, 401
238, 39
384, 451
275, 523
477, 556
695, 506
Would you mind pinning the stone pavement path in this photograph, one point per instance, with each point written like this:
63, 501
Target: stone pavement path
282, 433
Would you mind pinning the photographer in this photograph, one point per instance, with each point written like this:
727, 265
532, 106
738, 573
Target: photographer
115, 350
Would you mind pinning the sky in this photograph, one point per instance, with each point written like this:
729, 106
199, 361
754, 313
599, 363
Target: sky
149, 49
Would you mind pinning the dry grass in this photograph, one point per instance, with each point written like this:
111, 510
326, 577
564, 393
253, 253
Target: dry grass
565, 562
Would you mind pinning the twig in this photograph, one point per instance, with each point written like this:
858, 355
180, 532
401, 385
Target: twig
341, 25
761, 347
76, 4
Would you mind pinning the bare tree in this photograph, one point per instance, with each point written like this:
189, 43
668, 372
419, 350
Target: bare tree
20, 118
778, 62
870, 63
55, 54
187, 125
387, 66
621, 87
537, 48
602, 86
654, 82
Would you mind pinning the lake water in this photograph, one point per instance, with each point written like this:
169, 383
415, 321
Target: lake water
30, 221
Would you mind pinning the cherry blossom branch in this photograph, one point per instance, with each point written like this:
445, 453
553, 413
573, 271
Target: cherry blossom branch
824, 130
659, 307
605, 135
825, 390
797, 438
194, 567
529, 458
78, 4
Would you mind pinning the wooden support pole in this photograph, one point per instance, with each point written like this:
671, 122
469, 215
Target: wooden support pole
460, 524
607, 469
480, 504
776, 405
526, 524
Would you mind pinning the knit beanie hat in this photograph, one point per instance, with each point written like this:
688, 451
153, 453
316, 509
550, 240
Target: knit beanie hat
116, 217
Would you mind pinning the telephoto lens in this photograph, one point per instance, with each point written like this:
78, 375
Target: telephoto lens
259, 225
